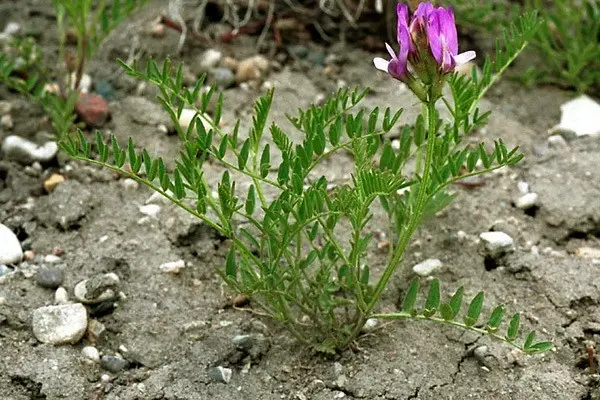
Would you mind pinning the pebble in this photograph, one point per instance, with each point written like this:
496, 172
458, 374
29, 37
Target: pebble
220, 374
28, 255
26, 152
427, 267
185, 119
61, 296
244, 342
85, 83
580, 116
222, 77
130, 184
150, 210
369, 325
172, 267
91, 353
60, 324
208, 60
51, 259
92, 109
97, 289
527, 201
52, 182
251, 69
6, 122
587, 252
10, 247
95, 330
113, 364
557, 141
5, 107
523, 187
105, 89
49, 277
496, 243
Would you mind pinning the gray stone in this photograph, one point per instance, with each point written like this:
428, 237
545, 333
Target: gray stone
60, 324
18, 149
244, 342
222, 77
496, 243
527, 201
4, 270
10, 247
113, 364
49, 277
97, 289
220, 374
206, 61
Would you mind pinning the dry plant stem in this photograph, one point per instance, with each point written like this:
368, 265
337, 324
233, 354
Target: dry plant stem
412, 226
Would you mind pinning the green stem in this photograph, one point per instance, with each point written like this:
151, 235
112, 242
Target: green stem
412, 226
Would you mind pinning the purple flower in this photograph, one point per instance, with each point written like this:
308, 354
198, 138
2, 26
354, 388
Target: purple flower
429, 38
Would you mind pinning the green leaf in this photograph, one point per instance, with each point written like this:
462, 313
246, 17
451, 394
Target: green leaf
231, 267
243, 156
411, 295
513, 328
446, 311
495, 319
364, 275
474, 310
419, 135
251, 200
456, 301
265, 160
433, 299
179, 189
529, 340
539, 347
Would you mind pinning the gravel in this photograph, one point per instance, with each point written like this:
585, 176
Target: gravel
60, 324
10, 247
50, 277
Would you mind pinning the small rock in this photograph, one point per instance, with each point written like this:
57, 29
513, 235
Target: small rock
496, 243
222, 77
231, 63
10, 247
10, 29
557, 141
49, 277
580, 116
97, 289
51, 259
587, 252
130, 184
185, 119
220, 374
6, 122
16, 148
5, 107
92, 109
28, 255
157, 30
150, 210
252, 69
113, 364
172, 267
85, 83
207, 61
527, 201
95, 330
61, 296
53, 181
105, 89
523, 187
244, 342
91, 353
4, 270
60, 324
427, 267
369, 325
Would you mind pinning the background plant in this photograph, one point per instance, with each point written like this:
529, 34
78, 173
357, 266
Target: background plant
299, 253
23, 68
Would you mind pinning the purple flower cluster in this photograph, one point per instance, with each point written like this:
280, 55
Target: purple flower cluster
428, 41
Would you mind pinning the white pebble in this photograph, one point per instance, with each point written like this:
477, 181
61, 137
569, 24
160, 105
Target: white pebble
185, 119
91, 353
527, 201
172, 267
496, 242
26, 152
60, 324
523, 187
6, 122
427, 267
10, 247
210, 59
369, 325
61, 296
51, 259
581, 116
130, 184
150, 210
557, 141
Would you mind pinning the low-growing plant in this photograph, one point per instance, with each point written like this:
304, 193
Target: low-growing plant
568, 44
23, 68
298, 244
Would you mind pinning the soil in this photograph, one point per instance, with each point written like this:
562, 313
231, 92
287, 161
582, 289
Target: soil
176, 327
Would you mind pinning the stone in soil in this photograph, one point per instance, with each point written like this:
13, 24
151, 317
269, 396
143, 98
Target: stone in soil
207, 61
97, 289
92, 109
252, 69
496, 243
220, 374
527, 201
113, 364
60, 324
172, 267
244, 342
222, 77
52, 182
427, 267
95, 330
23, 151
185, 119
61, 296
49, 277
10, 247
580, 116
91, 353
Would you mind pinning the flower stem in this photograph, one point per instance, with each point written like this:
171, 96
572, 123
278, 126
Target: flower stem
413, 223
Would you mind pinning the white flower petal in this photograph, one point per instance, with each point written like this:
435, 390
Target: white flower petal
391, 51
381, 64
464, 58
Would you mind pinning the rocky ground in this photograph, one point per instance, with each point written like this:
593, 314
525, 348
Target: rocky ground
117, 296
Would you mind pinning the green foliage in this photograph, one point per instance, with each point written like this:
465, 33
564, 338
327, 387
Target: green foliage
568, 44
449, 311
